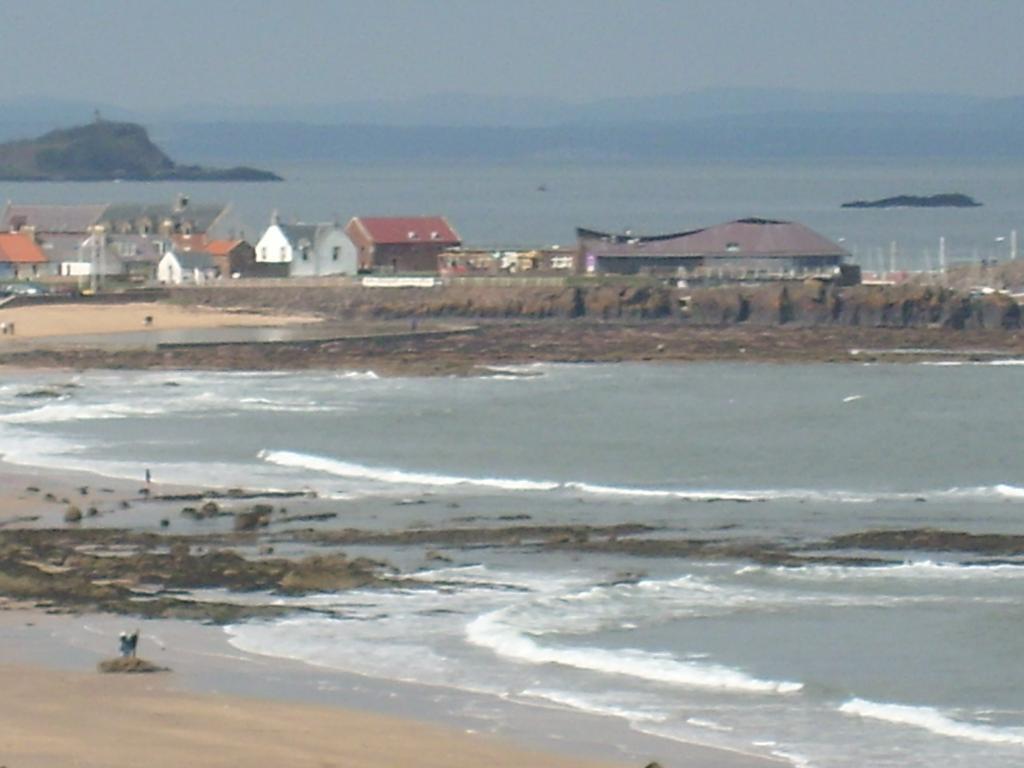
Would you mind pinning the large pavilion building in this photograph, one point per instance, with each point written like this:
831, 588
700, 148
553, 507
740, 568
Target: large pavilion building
746, 248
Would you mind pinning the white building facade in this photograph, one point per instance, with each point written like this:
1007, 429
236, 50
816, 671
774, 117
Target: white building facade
309, 250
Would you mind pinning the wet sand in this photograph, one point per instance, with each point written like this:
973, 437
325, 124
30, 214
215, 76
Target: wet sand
53, 718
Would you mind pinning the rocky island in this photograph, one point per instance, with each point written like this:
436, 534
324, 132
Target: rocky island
946, 200
106, 151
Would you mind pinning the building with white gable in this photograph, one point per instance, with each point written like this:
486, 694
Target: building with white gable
307, 250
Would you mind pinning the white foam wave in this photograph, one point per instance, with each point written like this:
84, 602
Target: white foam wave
710, 725
921, 569
932, 720
267, 404
390, 475
653, 493
60, 412
359, 375
1003, 491
593, 706
491, 632
961, 363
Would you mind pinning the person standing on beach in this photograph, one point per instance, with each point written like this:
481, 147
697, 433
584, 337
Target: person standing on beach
124, 644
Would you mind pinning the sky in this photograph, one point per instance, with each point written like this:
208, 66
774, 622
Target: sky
141, 54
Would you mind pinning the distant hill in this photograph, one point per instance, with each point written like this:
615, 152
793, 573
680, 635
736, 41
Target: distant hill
738, 124
103, 151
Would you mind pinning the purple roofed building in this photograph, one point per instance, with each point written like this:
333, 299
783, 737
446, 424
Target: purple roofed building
743, 249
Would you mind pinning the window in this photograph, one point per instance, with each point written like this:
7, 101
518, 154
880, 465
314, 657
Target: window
305, 254
335, 252
284, 253
263, 253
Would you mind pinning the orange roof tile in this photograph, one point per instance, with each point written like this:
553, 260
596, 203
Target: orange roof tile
221, 247
20, 249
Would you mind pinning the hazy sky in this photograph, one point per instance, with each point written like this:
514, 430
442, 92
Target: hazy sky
142, 54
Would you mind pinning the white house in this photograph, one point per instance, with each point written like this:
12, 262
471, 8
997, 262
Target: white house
188, 268
308, 249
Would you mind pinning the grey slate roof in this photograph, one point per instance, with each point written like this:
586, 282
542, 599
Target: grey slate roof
309, 233
195, 260
202, 215
55, 219
69, 219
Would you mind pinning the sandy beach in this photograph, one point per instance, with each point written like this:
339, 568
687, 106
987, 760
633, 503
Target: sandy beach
49, 320
53, 718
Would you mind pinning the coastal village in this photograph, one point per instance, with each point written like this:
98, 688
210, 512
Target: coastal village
81, 247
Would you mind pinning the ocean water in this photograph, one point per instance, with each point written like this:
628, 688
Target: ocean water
501, 205
913, 663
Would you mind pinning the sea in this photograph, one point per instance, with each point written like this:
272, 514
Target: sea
534, 204
912, 662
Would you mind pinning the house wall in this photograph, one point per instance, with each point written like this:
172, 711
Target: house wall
240, 260
21, 271
334, 253
273, 247
108, 261
169, 270
405, 257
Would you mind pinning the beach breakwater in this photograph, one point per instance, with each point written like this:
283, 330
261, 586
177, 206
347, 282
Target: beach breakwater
808, 304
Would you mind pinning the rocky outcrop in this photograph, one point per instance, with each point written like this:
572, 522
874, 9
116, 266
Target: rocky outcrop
102, 151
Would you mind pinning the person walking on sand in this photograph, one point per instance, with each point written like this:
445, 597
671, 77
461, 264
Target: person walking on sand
133, 643
148, 476
124, 644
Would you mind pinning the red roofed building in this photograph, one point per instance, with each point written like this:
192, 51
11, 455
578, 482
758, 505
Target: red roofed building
401, 243
232, 257
21, 257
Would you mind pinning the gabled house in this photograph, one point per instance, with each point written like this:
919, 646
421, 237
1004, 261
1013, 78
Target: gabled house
397, 244
186, 268
21, 257
105, 255
306, 250
186, 223
233, 257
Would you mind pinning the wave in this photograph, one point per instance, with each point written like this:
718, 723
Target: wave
390, 475
593, 706
921, 569
489, 631
59, 412
283, 406
358, 375
1002, 362
932, 720
394, 475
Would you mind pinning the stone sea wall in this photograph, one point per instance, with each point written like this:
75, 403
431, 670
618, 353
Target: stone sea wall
810, 304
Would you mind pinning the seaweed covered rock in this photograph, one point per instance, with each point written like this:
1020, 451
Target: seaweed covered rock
129, 665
